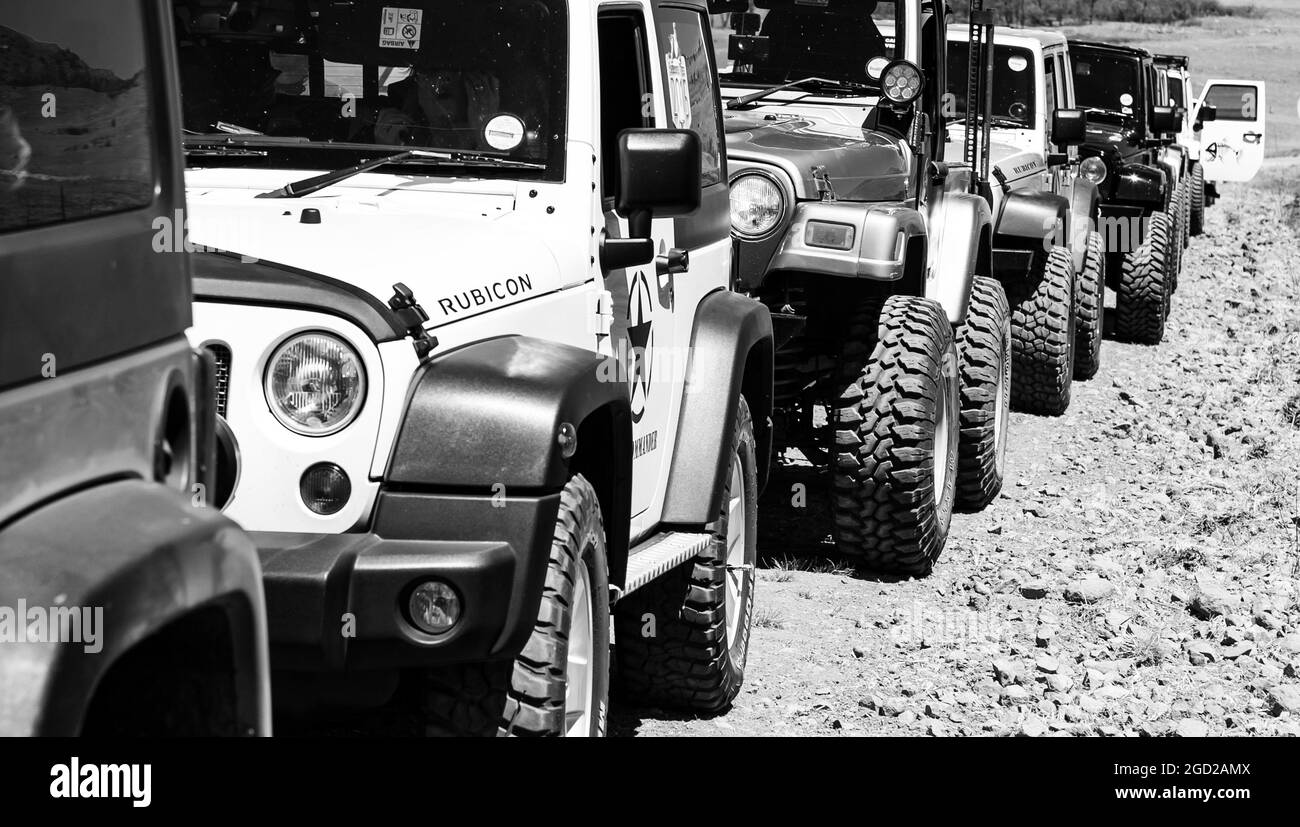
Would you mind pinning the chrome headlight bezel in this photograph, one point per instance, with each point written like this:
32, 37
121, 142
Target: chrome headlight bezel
782, 204
283, 416
1093, 169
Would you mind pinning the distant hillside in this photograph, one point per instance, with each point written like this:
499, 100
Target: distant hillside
1058, 12
26, 62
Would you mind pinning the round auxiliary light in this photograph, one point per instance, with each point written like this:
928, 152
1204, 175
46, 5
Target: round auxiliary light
901, 82
434, 607
757, 204
315, 384
1093, 169
325, 488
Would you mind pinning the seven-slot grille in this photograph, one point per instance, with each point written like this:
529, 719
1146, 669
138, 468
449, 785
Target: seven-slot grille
222, 355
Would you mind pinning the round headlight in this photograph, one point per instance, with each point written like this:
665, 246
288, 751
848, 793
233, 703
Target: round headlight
1093, 169
901, 82
315, 384
757, 204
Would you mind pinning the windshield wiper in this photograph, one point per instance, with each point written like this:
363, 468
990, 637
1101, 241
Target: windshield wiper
843, 85
1108, 113
307, 186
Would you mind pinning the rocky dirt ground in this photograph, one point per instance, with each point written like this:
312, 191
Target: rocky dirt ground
1137, 576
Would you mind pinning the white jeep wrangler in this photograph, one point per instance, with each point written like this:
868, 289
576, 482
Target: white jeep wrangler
1046, 251
486, 378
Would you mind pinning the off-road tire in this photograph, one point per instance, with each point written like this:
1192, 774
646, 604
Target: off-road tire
1176, 238
526, 696
1042, 337
1196, 220
984, 354
1141, 296
898, 367
672, 641
1187, 213
1091, 303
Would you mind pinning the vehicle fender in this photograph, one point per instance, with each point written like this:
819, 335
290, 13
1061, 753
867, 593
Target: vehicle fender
134, 557
880, 240
957, 225
1143, 184
486, 418
1032, 220
1085, 201
731, 352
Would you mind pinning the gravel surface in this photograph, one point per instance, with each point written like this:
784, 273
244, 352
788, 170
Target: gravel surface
1137, 576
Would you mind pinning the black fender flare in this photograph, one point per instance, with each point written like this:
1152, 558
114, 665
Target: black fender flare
1032, 221
489, 414
1085, 201
731, 352
140, 555
1142, 184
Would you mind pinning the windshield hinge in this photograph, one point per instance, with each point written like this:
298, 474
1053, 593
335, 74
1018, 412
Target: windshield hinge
822, 179
412, 316
602, 318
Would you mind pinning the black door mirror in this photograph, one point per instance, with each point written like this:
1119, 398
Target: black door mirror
1069, 127
1164, 119
659, 174
1206, 114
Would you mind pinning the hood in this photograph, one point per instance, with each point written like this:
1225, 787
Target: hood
1111, 137
457, 266
862, 165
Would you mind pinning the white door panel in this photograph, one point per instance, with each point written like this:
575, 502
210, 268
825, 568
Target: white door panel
1232, 145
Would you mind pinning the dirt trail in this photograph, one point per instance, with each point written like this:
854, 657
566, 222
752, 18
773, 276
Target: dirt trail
1164, 504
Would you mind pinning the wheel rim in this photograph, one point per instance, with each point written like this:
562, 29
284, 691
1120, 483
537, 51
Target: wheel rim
580, 668
1003, 399
737, 543
943, 430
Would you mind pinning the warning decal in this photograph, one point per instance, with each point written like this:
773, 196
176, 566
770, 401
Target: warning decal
679, 87
400, 28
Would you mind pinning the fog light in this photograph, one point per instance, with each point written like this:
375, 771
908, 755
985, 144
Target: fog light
434, 607
325, 488
829, 235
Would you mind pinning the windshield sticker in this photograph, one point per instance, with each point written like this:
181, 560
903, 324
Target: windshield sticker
400, 28
679, 86
1017, 63
504, 132
1126, 99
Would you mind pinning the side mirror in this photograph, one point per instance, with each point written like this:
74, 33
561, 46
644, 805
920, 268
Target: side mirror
659, 174
1164, 119
1069, 127
1207, 113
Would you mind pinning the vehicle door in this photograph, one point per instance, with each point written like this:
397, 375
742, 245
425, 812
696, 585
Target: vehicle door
1232, 145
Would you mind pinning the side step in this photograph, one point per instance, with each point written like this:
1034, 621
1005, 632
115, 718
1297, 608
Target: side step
661, 554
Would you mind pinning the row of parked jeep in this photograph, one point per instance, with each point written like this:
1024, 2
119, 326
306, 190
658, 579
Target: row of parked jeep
433, 357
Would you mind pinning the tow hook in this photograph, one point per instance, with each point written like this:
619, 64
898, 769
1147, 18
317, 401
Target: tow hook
412, 316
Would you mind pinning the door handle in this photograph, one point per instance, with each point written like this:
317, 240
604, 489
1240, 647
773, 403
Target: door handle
674, 261
1252, 137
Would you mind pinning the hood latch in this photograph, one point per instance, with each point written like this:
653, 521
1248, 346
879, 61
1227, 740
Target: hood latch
412, 316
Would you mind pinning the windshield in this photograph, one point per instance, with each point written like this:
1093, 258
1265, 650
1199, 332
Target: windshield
1104, 81
787, 41
485, 76
1013, 84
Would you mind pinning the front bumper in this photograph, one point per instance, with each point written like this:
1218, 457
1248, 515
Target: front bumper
338, 601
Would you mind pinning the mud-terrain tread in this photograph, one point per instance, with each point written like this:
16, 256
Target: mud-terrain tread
1196, 222
526, 696
1140, 298
1091, 295
983, 342
1042, 337
686, 663
884, 508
